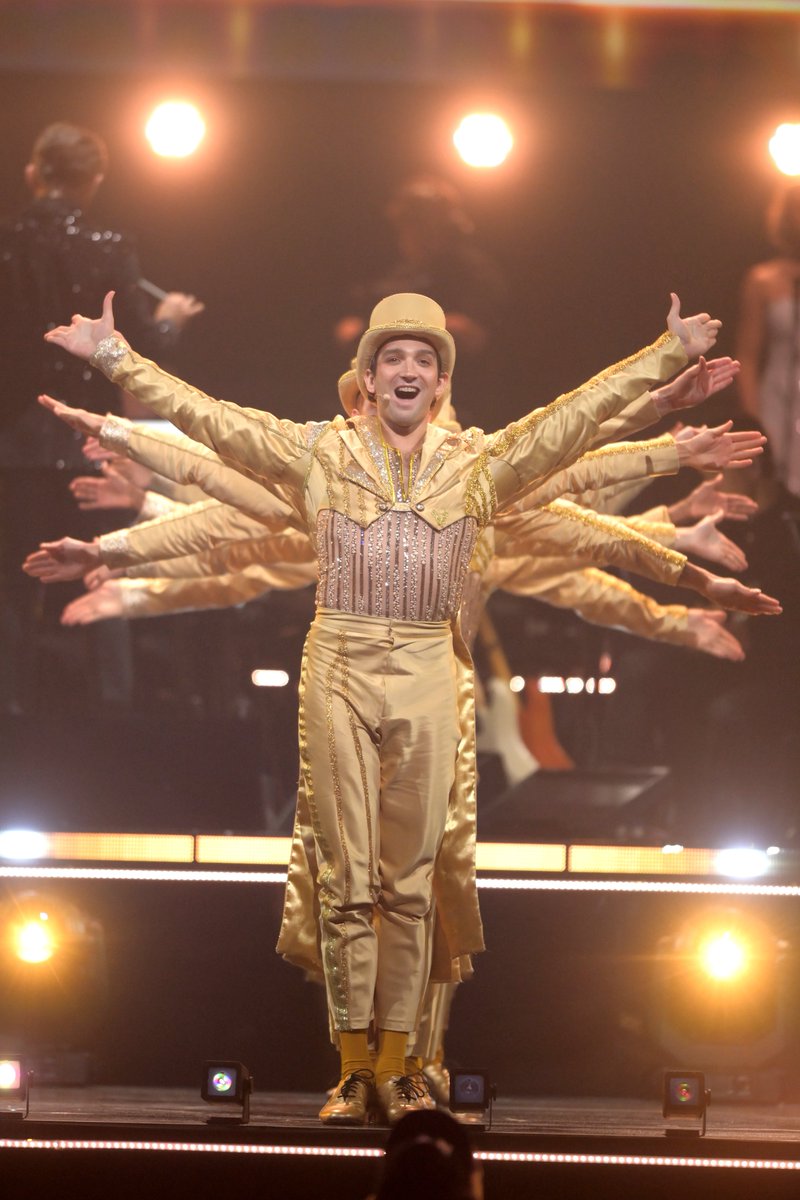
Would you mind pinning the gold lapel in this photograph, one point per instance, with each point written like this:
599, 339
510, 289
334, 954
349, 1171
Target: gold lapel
438, 445
368, 466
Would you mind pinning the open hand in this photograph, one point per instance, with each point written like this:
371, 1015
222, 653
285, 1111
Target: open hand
100, 605
713, 449
83, 335
708, 632
109, 490
62, 561
77, 418
705, 499
733, 595
703, 379
697, 334
705, 539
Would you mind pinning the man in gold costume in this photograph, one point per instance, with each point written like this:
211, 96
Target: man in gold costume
394, 507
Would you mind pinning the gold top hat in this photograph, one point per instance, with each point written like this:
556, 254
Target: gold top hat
405, 315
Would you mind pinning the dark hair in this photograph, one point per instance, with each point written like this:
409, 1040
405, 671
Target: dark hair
69, 157
428, 1154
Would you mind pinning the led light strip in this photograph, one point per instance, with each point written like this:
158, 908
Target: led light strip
197, 1147
636, 1160
640, 885
512, 1156
135, 874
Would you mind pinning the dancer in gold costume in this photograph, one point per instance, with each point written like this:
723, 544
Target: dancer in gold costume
394, 507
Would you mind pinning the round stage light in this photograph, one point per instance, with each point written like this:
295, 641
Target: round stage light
10, 1075
784, 146
724, 957
34, 940
483, 140
175, 129
221, 1083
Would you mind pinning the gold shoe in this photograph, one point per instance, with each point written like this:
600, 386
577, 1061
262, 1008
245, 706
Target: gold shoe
351, 1102
402, 1094
437, 1078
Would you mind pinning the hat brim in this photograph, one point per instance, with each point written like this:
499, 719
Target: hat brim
348, 391
378, 335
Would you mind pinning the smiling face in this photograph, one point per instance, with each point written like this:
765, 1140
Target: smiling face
406, 382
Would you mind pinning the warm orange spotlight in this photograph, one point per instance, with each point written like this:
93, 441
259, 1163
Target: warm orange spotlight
784, 146
175, 129
724, 956
483, 140
33, 939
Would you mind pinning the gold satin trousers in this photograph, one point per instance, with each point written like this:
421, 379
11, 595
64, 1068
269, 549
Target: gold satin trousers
379, 732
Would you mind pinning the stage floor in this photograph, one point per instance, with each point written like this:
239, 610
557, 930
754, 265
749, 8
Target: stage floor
294, 1114
129, 1142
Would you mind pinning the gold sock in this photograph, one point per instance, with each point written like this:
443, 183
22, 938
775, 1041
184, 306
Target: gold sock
391, 1054
413, 1065
354, 1050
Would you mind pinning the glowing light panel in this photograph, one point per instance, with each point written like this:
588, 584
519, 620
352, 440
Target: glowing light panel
22, 844
175, 129
483, 140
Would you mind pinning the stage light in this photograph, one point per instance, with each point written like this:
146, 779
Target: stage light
10, 1075
55, 983
33, 939
516, 683
227, 1082
724, 957
574, 685
471, 1094
551, 685
742, 862
22, 844
784, 146
483, 140
175, 129
267, 678
720, 999
14, 1084
685, 1095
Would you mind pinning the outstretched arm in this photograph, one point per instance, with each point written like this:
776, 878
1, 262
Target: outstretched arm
530, 450
713, 449
729, 593
694, 385
157, 597
603, 599
610, 465
249, 440
706, 498
585, 537
706, 541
